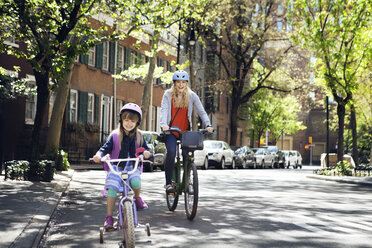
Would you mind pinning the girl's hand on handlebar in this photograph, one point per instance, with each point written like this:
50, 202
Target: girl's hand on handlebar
146, 154
210, 129
97, 158
164, 128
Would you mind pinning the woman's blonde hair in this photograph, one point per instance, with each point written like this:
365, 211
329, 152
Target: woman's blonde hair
120, 130
180, 101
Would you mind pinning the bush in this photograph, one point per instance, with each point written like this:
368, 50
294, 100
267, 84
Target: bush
39, 170
16, 169
343, 168
62, 161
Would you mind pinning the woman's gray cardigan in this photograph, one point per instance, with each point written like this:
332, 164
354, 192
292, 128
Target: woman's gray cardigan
194, 101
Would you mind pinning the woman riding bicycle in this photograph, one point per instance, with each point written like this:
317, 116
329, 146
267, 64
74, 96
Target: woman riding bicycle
176, 110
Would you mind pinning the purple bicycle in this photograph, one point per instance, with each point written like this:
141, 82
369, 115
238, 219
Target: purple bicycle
127, 211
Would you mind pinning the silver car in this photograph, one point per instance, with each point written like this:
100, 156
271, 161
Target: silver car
264, 158
216, 153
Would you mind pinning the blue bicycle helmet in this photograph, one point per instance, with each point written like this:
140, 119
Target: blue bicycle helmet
180, 75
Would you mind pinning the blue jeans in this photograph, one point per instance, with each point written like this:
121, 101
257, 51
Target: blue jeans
171, 144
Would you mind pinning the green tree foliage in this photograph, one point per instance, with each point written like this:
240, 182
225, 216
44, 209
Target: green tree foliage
274, 112
153, 18
338, 33
249, 50
46, 28
11, 86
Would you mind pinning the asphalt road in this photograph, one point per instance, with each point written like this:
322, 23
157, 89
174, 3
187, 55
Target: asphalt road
237, 208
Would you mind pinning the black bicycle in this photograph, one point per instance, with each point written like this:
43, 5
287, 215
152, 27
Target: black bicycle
186, 183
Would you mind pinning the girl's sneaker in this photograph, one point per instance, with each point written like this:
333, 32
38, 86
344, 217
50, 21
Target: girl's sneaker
140, 203
109, 224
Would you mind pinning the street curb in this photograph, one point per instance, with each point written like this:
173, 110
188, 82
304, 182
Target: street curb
367, 181
60, 187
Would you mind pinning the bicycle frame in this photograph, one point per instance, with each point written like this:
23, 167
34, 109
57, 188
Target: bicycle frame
186, 183
126, 187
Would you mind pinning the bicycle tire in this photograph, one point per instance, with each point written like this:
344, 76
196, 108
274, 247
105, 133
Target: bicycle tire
128, 225
172, 198
191, 198
172, 201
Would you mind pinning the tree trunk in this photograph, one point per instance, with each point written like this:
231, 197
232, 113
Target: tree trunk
42, 82
55, 127
234, 117
147, 96
354, 134
341, 122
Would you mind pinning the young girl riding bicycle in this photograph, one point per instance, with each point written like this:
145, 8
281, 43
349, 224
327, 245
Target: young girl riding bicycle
122, 143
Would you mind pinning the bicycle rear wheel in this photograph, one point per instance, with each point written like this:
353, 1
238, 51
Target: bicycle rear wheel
128, 225
192, 192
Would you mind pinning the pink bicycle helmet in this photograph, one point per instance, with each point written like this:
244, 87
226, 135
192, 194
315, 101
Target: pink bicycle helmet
134, 108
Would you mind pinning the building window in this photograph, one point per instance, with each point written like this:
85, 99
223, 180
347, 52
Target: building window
120, 58
31, 101
133, 58
280, 10
9, 40
279, 26
73, 105
312, 78
92, 56
289, 26
312, 94
105, 56
90, 110
119, 105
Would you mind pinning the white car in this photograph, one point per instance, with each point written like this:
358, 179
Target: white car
215, 152
292, 158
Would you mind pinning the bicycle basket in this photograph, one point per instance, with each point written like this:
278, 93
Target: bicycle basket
192, 140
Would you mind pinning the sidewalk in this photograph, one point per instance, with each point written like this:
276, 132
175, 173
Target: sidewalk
366, 181
25, 208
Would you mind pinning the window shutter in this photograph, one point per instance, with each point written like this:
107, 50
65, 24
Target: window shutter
112, 57
84, 57
127, 58
139, 58
68, 107
83, 107
99, 55
96, 108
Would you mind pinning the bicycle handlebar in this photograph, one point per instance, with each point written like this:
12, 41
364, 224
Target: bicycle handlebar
108, 161
178, 130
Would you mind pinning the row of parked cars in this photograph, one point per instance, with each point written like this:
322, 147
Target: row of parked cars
218, 154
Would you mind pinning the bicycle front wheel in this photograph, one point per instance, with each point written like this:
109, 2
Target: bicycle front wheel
128, 224
172, 200
192, 192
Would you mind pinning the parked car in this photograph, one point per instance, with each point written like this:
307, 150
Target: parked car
244, 157
292, 158
279, 156
215, 153
264, 157
158, 150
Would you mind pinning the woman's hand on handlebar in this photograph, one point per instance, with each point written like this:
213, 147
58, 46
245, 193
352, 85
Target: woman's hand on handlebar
165, 128
97, 158
210, 129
